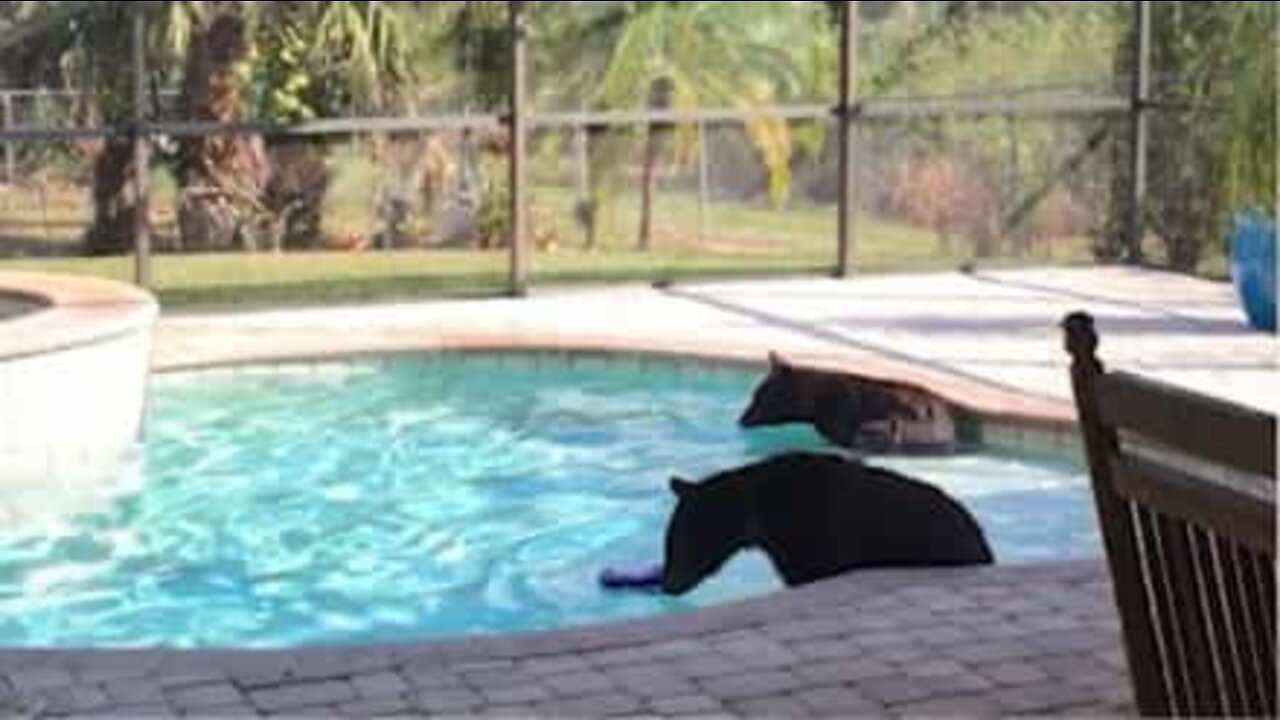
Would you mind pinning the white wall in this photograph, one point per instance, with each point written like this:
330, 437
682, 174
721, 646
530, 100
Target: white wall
69, 419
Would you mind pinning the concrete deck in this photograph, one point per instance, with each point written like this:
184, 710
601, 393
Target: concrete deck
989, 339
997, 641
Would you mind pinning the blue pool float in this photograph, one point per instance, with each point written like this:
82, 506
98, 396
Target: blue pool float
641, 577
1253, 267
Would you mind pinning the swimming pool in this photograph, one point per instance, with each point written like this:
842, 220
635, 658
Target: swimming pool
415, 496
13, 306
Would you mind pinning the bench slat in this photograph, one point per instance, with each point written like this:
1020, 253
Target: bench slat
1225, 511
1199, 425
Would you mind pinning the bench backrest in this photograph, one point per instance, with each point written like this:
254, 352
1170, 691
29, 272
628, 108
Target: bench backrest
1184, 486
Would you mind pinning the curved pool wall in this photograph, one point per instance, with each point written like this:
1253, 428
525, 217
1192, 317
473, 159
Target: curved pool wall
74, 366
425, 496
14, 305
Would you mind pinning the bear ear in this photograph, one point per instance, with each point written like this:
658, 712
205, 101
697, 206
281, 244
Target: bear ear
777, 362
682, 487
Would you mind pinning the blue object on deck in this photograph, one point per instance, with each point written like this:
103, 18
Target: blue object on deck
1253, 267
646, 576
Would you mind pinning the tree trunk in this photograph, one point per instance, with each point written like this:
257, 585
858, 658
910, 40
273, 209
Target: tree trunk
659, 99
221, 176
601, 161
114, 200
910, 12
296, 192
111, 161
1184, 253
645, 240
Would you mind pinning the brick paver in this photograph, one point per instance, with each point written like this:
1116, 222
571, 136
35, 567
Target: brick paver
383, 685
686, 705
306, 696
615, 703
454, 701
551, 666
752, 685
798, 653
134, 692
377, 707
579, 684
779, 706
203, 697
651, 681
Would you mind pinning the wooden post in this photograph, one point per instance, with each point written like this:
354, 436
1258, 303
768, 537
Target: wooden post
1139, 130
518, 151
847, 128
141, 152
1114, 516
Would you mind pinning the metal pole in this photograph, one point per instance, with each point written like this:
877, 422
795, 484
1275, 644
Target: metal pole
10, 158
42, 106
846, 119
582, 158
704, 179
43, 120
141, 153
1140, 133
518, 150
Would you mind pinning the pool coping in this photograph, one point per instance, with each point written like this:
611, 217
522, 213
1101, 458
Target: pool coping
989, 415
72, 312
987, 401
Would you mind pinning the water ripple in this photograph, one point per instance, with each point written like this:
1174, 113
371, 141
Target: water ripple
412, 497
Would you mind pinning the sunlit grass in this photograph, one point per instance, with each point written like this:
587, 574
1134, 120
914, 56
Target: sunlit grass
720, 239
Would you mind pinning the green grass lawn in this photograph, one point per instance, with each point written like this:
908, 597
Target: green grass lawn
241, 279
719, 240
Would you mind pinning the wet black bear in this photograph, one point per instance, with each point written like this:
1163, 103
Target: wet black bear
815, 516
852, 412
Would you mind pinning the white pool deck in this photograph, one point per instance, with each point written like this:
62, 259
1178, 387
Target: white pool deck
992, 329
1008, 640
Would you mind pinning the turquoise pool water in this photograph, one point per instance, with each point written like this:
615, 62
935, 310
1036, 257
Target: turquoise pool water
422, 496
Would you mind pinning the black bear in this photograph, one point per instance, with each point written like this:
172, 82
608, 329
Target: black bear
852, 412
815, 516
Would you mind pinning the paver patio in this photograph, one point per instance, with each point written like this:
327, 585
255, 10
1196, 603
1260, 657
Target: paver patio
994, 641
1032, 639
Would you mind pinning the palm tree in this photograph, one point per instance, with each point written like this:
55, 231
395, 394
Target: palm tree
84, 49
322, 59
61, 43
685, 55
285, 61
99, 43
347, 50
351, 54
221, 176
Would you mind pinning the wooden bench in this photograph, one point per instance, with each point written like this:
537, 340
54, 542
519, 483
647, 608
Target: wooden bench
1184, 486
